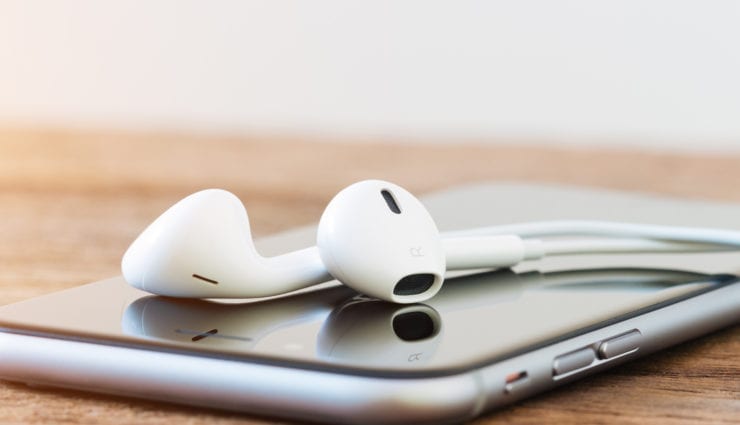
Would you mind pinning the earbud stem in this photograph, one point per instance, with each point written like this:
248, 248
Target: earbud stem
487, 251
296, 270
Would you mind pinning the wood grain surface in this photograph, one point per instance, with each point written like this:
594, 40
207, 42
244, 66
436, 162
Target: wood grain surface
72, 201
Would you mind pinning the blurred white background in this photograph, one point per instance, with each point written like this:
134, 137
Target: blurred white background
661, 74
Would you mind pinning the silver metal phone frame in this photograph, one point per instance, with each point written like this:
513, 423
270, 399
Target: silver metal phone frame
291, 392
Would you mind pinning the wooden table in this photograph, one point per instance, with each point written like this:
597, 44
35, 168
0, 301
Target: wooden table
71, 202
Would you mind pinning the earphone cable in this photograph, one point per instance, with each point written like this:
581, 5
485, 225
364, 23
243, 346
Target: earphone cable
693, 235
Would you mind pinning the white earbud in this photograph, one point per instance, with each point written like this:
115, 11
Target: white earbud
375, 237
379, 239
202, 248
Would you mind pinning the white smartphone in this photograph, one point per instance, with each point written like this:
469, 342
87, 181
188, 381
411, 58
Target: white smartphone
488, 339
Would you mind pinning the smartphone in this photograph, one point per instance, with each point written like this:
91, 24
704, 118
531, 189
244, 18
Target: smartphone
328, 354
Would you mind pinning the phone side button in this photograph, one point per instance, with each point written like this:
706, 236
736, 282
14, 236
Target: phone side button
620, 344
573, 361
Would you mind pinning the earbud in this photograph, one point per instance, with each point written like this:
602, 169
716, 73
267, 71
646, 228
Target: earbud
379, 239
202, 248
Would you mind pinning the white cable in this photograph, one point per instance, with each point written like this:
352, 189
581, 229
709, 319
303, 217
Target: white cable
706, 236
620, 246
496, 251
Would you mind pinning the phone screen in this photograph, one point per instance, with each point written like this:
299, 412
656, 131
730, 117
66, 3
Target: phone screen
474, 319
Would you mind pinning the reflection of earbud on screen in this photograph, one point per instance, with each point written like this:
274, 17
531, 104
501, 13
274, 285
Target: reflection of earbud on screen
368, 332
378, 333
217, 324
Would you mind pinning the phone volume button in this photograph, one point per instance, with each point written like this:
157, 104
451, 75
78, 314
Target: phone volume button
620, 344
573, 361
